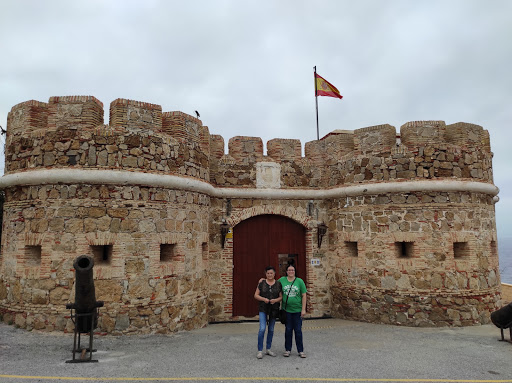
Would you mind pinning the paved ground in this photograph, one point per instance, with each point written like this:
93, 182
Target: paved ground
337, 350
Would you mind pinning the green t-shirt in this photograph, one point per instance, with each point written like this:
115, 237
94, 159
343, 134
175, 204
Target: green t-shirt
294, 304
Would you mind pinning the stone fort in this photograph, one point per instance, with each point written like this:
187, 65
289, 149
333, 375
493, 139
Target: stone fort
383, 226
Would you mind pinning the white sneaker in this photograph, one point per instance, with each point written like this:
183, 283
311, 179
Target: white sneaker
259, 355
271, 353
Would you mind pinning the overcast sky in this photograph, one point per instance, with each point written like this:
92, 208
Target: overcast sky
247, 66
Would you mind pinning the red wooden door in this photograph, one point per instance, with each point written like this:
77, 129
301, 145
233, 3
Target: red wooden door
258, 242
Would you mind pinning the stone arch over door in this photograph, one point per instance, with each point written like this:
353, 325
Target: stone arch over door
259, 241
290, 212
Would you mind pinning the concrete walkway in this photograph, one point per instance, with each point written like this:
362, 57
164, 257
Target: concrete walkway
337, 351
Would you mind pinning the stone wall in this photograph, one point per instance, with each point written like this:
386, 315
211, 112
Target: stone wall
411, 234
136, 139
360, 157
398, 261
143, 289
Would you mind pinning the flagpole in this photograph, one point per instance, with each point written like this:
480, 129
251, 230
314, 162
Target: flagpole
316, 102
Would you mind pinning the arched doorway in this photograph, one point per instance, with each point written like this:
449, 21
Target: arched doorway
258, 242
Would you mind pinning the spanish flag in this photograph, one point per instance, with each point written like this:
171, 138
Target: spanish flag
325, 88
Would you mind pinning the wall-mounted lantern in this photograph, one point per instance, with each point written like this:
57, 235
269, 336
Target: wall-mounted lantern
224, 230
322, 229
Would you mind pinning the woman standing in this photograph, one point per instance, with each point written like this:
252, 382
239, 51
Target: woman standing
294, 303
268, 293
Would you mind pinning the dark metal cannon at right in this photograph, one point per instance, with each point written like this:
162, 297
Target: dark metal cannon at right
502, 319
85, 308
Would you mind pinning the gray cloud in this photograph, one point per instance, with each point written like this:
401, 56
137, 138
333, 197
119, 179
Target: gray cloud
248, 66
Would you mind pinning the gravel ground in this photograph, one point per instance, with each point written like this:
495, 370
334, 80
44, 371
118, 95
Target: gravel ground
337, 350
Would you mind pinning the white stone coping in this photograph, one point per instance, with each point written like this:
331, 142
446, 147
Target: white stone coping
127, 178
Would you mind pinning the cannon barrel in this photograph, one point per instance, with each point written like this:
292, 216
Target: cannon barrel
85, 296
502, 318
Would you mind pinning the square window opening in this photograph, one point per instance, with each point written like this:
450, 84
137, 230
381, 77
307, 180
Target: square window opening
102, 254
168, 252
33, 255
404, 249
351, 248
460, 249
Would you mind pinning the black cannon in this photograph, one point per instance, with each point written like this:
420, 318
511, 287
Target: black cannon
85, 316
502, 319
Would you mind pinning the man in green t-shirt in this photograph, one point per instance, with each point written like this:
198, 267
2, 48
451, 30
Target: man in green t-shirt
294, 303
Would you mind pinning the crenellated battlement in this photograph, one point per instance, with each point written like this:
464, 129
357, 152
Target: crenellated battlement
246, 150
423, 150
182, 126
280, 149
69, 131
74, 112
380, 138
421, 133
468, 135
29, 117
135, 115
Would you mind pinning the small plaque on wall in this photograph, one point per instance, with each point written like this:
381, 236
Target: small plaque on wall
315, 262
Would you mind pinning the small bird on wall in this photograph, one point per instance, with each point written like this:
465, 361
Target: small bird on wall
197, 113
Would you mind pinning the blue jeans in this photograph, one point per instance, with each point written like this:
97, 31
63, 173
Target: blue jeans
293, 324
261, 333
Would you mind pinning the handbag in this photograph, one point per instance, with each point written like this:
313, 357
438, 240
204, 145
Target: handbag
282, 316
282, 313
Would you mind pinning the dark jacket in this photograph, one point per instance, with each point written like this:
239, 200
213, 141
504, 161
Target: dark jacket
269, 292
